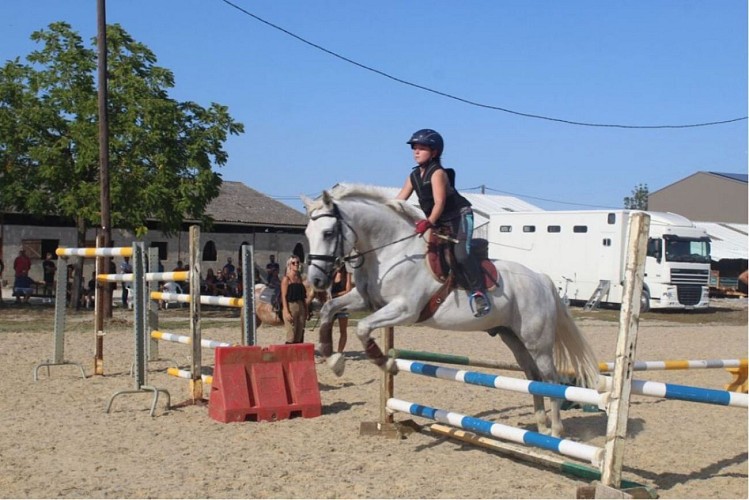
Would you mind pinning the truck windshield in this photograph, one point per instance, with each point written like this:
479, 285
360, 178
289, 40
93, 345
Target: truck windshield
685, 250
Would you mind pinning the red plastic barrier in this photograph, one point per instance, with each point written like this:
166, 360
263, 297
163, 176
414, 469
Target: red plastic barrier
255, 383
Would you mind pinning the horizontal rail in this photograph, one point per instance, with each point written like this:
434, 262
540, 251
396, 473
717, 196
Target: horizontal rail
566, 447
176, 372
603, 366
128, 277
685, 393
184, 339
570, 393
95, 252
209, 300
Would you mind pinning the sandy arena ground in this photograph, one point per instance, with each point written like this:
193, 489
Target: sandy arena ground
57, 441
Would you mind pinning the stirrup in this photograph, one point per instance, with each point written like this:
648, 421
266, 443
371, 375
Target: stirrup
480, 305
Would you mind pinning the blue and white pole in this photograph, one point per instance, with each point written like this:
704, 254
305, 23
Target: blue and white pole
580, 451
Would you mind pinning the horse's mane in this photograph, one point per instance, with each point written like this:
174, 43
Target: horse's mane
375, 194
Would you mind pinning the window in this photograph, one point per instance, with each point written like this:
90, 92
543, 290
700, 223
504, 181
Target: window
505, 229
553, 229
607, 242
529, 229
209, 251
612, 218
579, 229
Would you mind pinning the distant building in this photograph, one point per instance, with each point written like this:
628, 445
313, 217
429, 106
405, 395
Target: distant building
705, 196
241, 216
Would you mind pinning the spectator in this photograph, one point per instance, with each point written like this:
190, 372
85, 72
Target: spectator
23, 287
211, 282
125, 268
229, 269
22, 264
341, 286
49, 268
272, 271
295, 301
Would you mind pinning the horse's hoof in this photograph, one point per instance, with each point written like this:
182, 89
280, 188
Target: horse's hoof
391, 367
337, 363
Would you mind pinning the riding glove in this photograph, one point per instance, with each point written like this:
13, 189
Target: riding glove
422, 226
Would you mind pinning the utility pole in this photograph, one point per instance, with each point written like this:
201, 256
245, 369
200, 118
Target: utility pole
106, 220
483, 189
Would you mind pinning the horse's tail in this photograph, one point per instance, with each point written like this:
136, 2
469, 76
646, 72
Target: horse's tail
572, 352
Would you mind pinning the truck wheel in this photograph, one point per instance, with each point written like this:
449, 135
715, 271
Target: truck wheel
644, 301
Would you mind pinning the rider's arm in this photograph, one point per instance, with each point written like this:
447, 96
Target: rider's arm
439, 190
406, 190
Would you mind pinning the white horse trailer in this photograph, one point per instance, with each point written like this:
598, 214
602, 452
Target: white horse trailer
584, 253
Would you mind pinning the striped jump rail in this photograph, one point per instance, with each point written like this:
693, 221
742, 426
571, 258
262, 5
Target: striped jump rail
184, 339
570, 393
685, 393
603, 366
95, 252
209, 300
176, 372
578, 394
580, 451
680, 364
129, 277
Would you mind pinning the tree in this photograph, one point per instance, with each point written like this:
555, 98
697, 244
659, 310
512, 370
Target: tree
162, 152
639, 198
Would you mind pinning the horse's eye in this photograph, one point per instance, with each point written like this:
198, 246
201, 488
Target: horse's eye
328, 234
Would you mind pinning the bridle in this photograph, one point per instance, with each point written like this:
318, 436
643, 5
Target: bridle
339, 258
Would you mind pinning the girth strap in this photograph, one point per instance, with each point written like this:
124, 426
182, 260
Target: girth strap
437, 299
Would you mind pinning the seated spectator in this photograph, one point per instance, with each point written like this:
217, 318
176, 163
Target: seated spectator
23, 287
210, 283
229, 282
229, 266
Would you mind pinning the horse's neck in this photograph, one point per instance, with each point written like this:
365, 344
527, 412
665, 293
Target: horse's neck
376, 226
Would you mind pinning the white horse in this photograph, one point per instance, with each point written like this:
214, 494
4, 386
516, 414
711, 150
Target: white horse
360, 224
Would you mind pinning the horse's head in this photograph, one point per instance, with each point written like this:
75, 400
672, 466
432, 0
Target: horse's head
330, 240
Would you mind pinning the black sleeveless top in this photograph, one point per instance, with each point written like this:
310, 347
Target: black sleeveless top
296, 292
454, 203
339, 286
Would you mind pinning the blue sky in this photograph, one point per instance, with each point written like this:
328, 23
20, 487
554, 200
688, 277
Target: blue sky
313, 120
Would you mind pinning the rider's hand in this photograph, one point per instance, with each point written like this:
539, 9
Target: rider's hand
422, 226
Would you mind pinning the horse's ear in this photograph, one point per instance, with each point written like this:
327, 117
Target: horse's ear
307, 201
327, 199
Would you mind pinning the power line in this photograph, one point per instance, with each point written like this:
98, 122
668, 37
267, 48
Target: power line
467, 101
537, 198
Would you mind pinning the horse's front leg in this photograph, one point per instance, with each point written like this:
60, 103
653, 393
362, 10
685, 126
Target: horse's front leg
394, 313
352, 302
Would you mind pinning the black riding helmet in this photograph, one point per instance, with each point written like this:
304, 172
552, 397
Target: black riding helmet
430, 138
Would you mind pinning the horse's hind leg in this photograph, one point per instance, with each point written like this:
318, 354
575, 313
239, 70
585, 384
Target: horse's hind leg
529, 367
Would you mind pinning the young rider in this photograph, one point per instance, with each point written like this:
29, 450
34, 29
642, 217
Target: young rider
444, 206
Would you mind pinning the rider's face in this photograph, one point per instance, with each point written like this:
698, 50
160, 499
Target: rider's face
422, 154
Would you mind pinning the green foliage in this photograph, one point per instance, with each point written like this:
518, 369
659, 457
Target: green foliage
639, 198
162, 152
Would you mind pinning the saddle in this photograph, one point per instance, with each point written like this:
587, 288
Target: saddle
441, 262
272, 296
